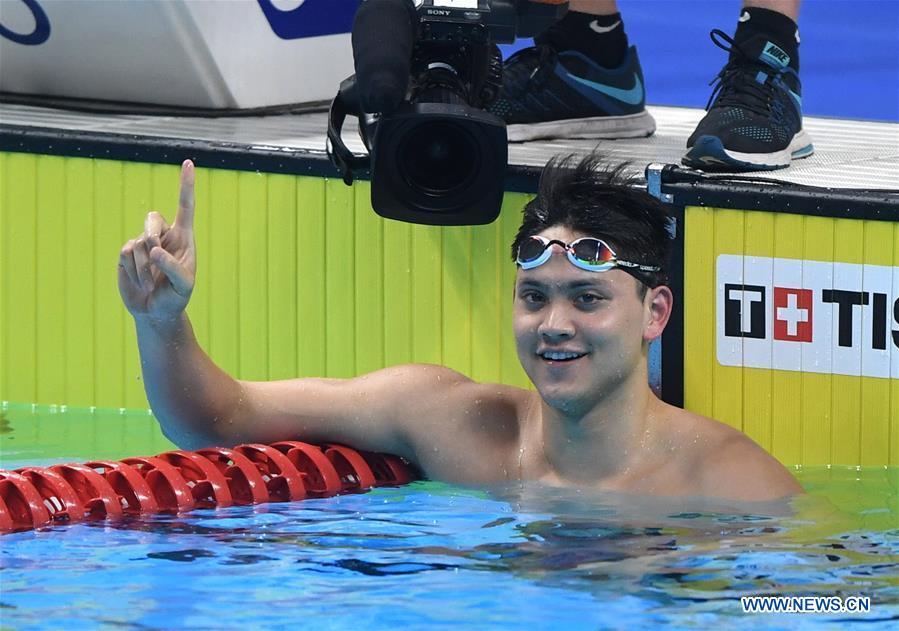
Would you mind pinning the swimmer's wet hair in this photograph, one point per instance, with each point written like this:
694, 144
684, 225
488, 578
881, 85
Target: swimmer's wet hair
599, 199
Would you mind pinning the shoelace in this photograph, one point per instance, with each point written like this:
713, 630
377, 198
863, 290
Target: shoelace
542, 57
736, 82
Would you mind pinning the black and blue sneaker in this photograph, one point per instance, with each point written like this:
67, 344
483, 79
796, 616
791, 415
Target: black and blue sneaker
754, 116
564, 94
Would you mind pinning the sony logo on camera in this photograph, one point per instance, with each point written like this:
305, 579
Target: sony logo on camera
809, 316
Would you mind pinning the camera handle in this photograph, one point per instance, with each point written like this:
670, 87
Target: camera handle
346, 102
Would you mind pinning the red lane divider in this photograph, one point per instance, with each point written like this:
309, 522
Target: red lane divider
22, 503
207, 484
354, 472
283, 481
134, 493
179, 481
59, 498
96, 495
167, 484
244, 479
319, 475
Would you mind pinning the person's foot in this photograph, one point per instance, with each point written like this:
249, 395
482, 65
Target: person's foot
755, 119
552, 94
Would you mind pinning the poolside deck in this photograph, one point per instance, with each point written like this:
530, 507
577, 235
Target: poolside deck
849, 153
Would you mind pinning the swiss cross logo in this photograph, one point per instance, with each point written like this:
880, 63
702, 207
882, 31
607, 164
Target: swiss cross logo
808, 316
793, 314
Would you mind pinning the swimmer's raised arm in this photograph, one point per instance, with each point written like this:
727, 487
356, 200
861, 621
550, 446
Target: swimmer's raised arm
186, 390
409, 410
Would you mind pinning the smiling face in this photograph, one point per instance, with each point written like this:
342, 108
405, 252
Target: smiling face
580, 334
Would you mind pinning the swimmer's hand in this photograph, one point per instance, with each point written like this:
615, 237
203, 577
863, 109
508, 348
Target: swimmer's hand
158, 268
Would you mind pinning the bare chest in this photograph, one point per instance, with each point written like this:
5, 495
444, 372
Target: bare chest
646, 475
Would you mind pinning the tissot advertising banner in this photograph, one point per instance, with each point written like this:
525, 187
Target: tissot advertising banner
811, 316
791, 331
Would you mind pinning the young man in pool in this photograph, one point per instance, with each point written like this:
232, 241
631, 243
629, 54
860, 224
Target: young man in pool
590, 296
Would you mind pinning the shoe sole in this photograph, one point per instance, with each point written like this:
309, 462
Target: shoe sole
708, 153
608, 127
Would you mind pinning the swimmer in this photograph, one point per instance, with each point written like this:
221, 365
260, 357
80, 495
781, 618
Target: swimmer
590, 295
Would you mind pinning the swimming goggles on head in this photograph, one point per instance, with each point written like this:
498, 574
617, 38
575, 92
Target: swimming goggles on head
587, 253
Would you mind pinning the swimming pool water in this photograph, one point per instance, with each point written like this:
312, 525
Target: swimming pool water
434, 555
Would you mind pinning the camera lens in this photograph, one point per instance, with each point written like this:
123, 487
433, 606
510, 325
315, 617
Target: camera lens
437, 158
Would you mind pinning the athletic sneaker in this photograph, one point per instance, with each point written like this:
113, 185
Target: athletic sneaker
755, 119
563, 94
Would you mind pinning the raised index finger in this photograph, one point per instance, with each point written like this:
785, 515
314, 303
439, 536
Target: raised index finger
185, 217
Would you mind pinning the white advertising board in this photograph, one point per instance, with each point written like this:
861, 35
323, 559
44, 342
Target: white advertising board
193, 53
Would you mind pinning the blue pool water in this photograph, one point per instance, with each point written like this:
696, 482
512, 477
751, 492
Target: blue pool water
432, 555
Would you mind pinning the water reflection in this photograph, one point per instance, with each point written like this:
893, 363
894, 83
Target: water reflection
562, 551
556, 535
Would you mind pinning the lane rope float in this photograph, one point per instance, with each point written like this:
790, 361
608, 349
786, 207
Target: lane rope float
180, 481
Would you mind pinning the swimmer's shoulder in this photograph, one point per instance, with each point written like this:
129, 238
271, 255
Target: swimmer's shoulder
443, 379
462, 430
726, 463
447, 392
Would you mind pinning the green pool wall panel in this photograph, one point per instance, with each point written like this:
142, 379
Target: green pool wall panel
397, 261
368, 271
340, 320
281, 272
20, 280
310, 277
50, 306
4, 266
78, 288
296, 276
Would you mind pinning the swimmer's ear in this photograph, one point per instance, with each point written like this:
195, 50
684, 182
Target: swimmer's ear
659, 302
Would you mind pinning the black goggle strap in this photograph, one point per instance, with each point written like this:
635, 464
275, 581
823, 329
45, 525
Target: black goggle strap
642, 268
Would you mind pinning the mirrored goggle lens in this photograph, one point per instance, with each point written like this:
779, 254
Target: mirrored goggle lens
530, 250
593, 251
